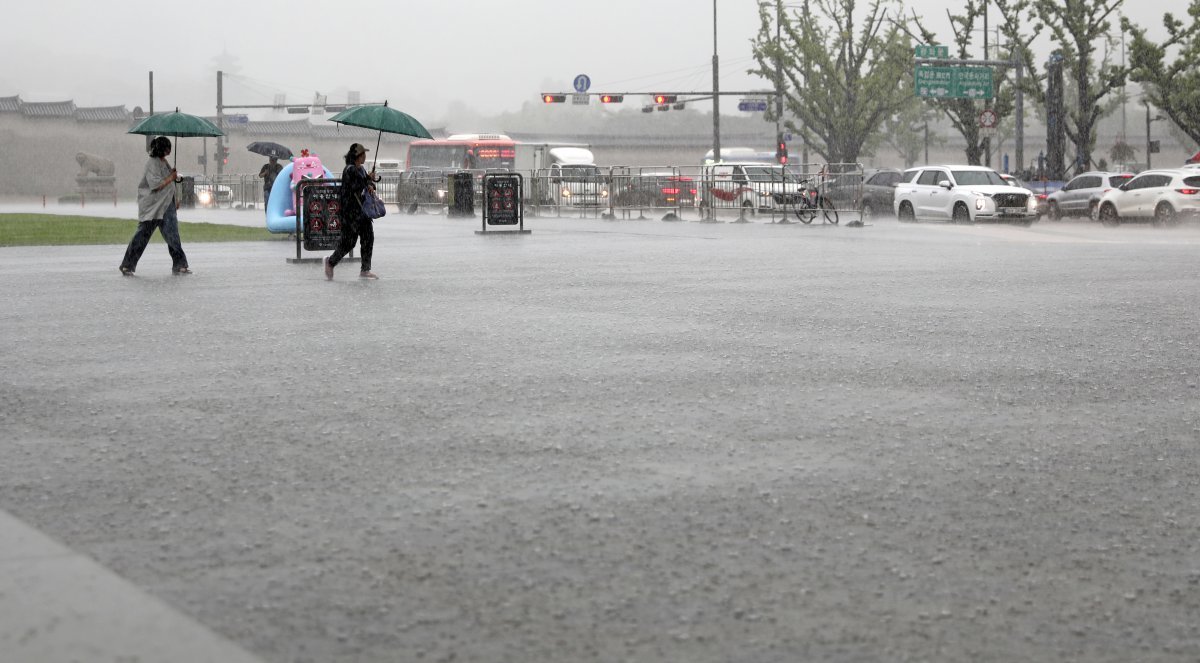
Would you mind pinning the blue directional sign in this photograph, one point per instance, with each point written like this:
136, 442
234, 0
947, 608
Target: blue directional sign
752, 105
582, 83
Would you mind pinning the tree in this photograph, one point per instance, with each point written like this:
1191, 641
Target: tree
845, 71
1174, 87
1122, 152
964, 113
1078, 28
908, 132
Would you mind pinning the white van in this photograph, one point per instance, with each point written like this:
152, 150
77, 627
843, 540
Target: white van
575, 180
388, 167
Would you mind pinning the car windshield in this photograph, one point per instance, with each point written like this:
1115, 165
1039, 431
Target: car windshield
1118, 180
580, 173
767, 174
978, 178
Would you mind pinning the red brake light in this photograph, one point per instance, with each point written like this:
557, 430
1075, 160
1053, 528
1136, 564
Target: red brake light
1188, 192
670, 192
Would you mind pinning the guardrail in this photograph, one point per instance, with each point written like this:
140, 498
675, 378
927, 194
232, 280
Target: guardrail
718, 192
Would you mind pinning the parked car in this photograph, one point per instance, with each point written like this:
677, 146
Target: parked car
1081, 196
879, 191
656, 189
1160, 196
962, 194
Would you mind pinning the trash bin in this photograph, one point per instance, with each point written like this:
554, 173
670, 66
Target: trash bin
187, 193
460, 194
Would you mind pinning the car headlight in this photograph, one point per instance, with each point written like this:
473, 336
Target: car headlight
441, 193
1032, 203
566, 193
979, 203
603, 193
204, 197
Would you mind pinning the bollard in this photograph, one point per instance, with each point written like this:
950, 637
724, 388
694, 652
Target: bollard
43, 201
114, 198
81, 197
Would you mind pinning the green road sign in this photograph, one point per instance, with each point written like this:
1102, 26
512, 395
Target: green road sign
975, 82
953, 82
936, 82
929, 51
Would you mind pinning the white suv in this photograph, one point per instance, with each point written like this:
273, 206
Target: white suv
962, 194
1161, 196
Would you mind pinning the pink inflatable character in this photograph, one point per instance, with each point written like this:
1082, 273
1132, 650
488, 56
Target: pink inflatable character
304, 167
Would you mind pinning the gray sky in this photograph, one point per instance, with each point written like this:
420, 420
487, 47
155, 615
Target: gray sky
421, 56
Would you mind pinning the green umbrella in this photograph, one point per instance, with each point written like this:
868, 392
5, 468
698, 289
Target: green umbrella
178, 125
384, 119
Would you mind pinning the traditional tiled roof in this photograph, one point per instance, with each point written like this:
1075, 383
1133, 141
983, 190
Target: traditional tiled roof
330, 130
277, 128
103, 114
10, 104
48, 108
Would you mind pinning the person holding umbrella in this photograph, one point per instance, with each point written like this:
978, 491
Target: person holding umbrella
268, 173
270, 170
156, 209
355, 223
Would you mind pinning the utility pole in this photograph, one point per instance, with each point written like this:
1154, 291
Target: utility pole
987, 151
778, 73
926, 141
220, 123
716, 92
1020, 149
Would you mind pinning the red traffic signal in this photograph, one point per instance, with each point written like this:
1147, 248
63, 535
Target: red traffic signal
612, 98
553, 98
661, 99
781, 152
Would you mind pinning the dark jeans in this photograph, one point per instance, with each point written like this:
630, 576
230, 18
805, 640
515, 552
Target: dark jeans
351, 232
168, 226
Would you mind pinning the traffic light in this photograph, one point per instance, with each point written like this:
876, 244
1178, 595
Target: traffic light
781, 154
647, 109
225, 155
202, 159
553, 98
662, 99
612, 98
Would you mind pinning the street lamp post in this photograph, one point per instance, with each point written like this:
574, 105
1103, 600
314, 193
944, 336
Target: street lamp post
716, 92
1148, 121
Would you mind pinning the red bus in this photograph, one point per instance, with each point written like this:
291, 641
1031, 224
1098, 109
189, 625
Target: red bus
463, 151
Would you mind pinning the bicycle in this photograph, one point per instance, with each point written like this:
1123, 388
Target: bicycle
807, 203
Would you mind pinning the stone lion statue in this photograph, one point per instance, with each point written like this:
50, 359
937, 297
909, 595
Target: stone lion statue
90, 164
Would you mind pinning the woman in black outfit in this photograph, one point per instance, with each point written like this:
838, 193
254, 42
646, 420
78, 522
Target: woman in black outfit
355, 224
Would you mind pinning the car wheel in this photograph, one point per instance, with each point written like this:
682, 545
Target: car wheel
906, 214
1164, 215
868, 212
1053, 213
1108, 216
1094, 211
748, 209
961, 214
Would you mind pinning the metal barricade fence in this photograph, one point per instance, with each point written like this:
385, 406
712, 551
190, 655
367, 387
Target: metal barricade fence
842, 185
578, 195
651, 189
421, 191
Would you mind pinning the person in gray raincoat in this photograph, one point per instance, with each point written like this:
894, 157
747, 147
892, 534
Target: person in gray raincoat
156, 209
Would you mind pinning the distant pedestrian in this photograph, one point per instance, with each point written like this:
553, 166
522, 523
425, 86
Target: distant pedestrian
268, 173
156, 209
355, 223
